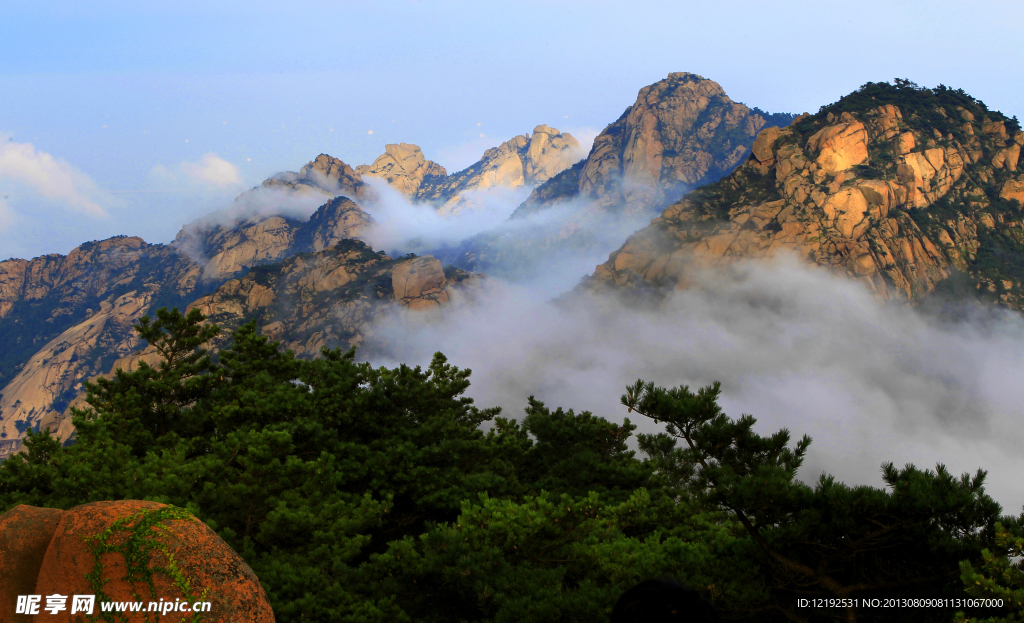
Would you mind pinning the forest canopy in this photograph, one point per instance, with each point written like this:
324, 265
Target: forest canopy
368, 494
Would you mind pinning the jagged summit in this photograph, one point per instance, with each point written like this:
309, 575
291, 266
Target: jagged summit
680, 132
325, 175
894, 185
404, 167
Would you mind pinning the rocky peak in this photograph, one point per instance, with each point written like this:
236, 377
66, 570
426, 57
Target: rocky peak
404, 167
325, 175
894, 185
226, 249
520, 161
337, 220
332, 297
681, 132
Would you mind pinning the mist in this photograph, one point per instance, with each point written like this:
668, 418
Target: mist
401, 226
792, 345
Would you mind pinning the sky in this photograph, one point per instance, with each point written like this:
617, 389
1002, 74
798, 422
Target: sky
135, 118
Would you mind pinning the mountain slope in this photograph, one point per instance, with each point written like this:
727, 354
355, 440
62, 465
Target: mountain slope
896, 186
681, 131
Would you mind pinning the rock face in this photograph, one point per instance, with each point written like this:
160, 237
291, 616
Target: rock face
521, 161
66, 317
91, 271
420, 283
324, 176
25, 534
333, 297
229, 248
70, 318
37, 396
889, 186
681, 132
214, 572
404, 167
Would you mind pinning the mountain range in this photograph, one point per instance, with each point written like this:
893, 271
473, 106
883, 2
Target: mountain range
912, 192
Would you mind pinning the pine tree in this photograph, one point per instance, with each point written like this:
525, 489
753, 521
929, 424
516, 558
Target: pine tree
829, 541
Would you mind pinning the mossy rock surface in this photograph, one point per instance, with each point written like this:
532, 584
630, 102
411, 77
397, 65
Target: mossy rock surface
134, 550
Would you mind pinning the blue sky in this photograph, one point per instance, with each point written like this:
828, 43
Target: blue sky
133, 118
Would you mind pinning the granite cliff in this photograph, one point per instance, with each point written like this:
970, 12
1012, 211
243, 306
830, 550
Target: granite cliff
227, 248
332, 298
521, 161
681, 132
905, 189
65, 319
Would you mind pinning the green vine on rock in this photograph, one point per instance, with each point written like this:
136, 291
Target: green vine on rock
135, 538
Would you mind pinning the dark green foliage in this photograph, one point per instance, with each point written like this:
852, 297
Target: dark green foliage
934, 108
999, 576
372, 494
579, 454
777, 119
320, 472
744, 186
826, 541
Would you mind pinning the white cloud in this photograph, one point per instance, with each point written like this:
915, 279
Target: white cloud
792, 345
401, 226
211, 171
50, 178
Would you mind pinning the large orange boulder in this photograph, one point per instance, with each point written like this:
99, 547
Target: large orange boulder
25, 533
135, 551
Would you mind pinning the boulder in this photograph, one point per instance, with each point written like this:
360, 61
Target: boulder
419, 283
25, 533
174, 541
840, 146
1013, 189
763, 145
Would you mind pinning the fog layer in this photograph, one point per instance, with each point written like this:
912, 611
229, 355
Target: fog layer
792, 345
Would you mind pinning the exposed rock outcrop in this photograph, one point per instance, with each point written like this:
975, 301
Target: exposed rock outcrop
37, 396
231, 247
404, 167
324, 176
70, 318
886, 186
420, 283
333, 297
25, 534
203, 562
52, 295
521, 161
681, 132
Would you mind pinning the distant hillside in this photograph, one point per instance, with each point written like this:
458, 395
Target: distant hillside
899, 187
681, 132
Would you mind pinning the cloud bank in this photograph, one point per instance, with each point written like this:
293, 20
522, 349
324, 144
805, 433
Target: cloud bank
211, 172
792, 345
49, 178
404, 227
